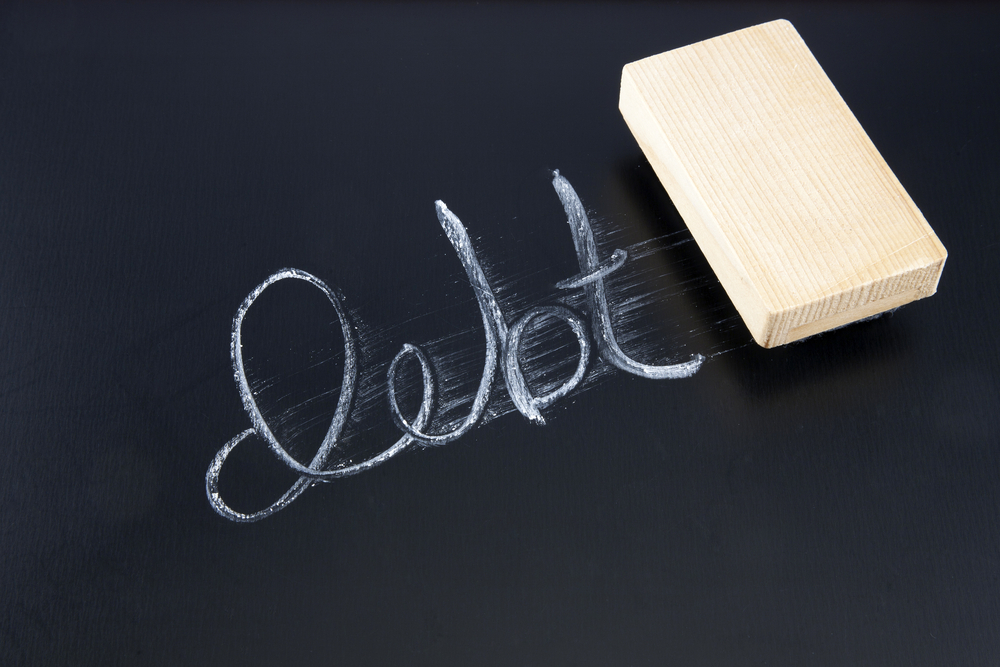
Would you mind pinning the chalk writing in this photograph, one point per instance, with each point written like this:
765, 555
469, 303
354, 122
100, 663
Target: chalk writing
503, 353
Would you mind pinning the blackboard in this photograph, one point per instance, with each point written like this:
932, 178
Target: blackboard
831, 502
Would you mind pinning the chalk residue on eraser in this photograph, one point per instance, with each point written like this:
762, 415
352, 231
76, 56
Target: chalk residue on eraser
802, 220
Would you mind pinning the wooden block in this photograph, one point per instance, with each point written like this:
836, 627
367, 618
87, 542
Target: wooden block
798, 214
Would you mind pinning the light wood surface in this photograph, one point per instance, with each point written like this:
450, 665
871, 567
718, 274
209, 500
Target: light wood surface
802, 220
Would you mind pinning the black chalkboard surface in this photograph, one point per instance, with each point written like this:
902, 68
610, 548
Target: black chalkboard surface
832, 502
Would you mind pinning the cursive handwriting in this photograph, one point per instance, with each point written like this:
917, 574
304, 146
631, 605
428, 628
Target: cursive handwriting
503, 352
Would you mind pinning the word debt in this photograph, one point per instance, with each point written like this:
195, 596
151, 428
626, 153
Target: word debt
503, 356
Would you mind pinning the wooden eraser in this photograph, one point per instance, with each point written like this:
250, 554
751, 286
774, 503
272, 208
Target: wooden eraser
796, 211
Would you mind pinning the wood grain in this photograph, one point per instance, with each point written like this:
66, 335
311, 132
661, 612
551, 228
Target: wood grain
802, 220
